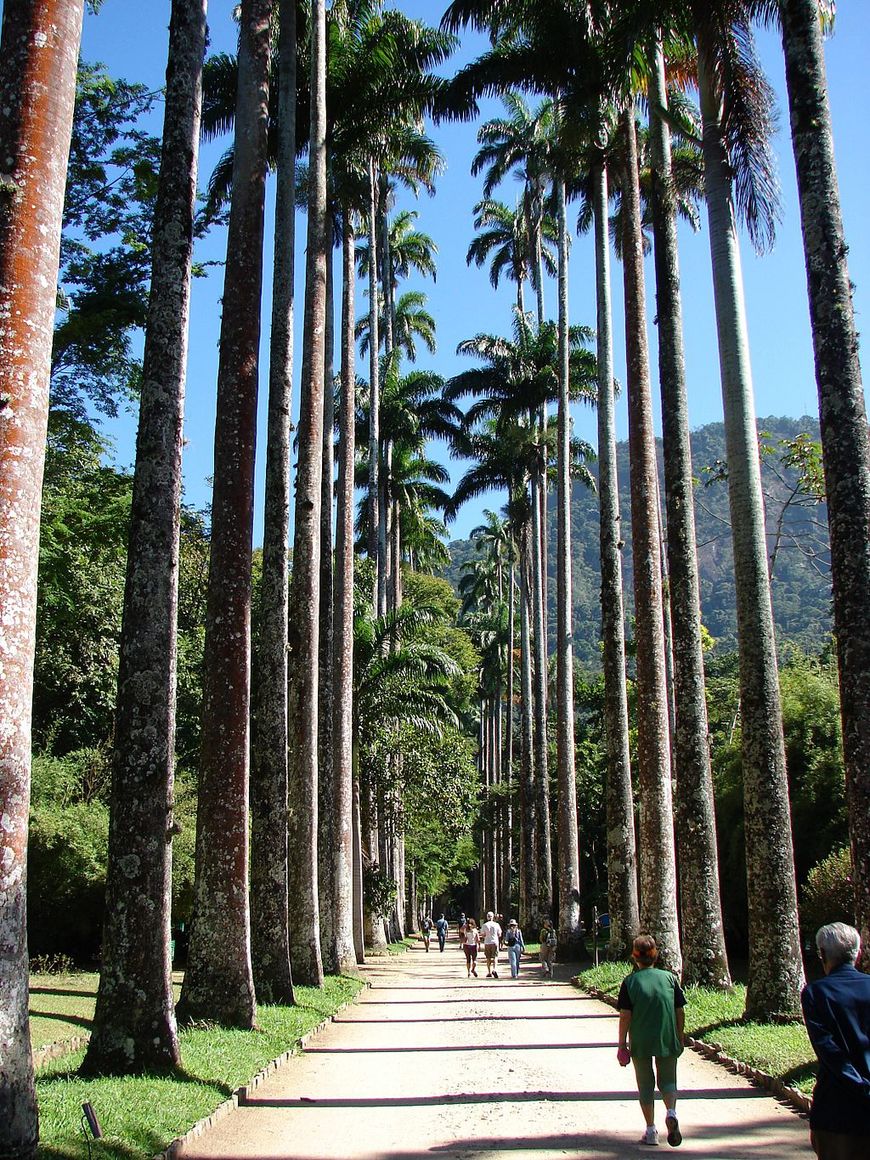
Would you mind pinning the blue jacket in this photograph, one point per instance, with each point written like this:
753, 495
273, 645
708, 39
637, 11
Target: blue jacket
837, 1014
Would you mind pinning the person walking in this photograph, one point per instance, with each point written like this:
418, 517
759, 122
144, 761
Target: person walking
651, 1019
441, 928
491, 941
426, 927
548, 947
470, 942
837, 1014
513, 940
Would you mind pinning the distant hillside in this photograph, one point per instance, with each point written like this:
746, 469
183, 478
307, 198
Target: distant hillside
801, 580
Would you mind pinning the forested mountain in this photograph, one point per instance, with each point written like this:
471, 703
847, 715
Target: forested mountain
797, 541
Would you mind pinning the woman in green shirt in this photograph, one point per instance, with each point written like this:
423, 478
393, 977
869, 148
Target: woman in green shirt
651, 1017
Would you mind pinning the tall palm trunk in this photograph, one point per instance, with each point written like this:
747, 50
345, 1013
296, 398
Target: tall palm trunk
305, 588
134, 1023
345, 871
507, 817
775, 965
270, 945
327, 820
842, 413
621, 849
658, 884
39, 44
544, 900
705, 961
218, 982
569, 850
374, 375
529, 819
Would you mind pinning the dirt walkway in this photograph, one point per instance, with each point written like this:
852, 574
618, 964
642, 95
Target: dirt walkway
429, 1063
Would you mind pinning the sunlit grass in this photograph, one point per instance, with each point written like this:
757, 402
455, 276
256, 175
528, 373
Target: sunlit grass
781, 1050
141, 1115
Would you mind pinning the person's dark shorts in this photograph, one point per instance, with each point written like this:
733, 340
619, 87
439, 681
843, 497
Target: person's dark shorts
836, 1146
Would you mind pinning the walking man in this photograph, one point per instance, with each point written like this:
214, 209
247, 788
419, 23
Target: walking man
441, 927
837, 1014
491, 942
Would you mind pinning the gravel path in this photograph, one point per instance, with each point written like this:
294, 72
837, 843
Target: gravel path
428, 1063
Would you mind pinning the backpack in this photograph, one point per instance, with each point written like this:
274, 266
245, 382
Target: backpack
551, 938
511, 938
427, 925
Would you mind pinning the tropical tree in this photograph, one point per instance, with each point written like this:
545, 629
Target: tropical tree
218, 982
841, 406
302, 714
270, 947
134, 1021
412, 322
703, 938
39, 43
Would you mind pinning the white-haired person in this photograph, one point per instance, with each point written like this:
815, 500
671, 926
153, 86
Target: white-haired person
837, 1014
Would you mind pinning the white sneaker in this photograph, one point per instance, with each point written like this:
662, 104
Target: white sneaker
650, 1136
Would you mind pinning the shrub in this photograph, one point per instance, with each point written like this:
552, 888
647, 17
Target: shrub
828, 895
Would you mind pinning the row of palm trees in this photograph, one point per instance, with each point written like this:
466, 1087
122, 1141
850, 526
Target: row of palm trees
370, 81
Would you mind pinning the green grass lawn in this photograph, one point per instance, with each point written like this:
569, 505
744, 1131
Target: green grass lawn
141, 1115
782, 1050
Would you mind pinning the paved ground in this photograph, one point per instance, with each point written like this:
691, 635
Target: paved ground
428, 1063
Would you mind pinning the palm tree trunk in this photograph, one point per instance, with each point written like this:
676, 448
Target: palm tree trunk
658, 881
775, 965
305, 589
39, 45
218, 982
621, 849
544, 900
529, 822
508, 758
842, 412
705, 960
345, 858
327, 836
374, 375
570, 937
270, 945
134, 1026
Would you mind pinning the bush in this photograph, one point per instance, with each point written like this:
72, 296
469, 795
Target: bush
828, 895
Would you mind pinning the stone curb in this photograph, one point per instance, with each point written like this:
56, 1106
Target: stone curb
239, 1097
43, 1055
717, 1054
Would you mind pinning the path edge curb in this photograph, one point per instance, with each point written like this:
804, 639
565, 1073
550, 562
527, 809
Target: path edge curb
238, 1097
717, 1054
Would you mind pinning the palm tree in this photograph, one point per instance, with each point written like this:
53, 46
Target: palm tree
705, 959
218, 983
658, 881
503, 241
412, 323
522, 140
134, 1021
775, 967
305, 592
270, 946
35, 130
842, 410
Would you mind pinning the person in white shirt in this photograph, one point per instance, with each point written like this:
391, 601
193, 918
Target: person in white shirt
491, 932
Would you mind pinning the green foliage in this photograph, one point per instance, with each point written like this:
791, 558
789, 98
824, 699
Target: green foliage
379, 890
82, 564
828, 895
66, 861
811, 722
106, 246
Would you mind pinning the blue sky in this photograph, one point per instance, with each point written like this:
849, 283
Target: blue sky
131, 39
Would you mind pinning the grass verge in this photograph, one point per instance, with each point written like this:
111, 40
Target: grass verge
140, 1115
782, 1050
